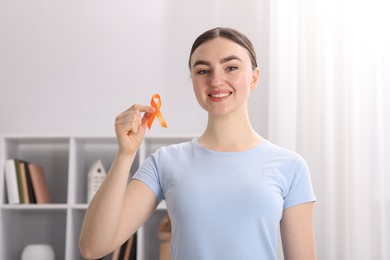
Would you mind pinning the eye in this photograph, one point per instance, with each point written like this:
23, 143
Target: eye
231, 68
202, 72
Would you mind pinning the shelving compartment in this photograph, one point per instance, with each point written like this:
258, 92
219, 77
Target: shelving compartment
50, 153
25, 226
149, 241
77, 216
66, 161
87, 151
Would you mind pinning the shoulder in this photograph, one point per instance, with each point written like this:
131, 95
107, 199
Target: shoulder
282, 155
289, 165
175, 148
173, 151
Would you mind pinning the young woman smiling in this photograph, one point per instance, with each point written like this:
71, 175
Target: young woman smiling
228, 192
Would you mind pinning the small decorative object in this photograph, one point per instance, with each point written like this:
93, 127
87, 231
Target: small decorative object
164, 234
38, 252
96, 176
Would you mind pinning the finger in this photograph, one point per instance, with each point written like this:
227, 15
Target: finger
141, 108
128, 120
126, 115
127, 123
135, 109
145, 118
134, 129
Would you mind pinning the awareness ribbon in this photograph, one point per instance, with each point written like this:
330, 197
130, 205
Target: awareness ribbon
156, 111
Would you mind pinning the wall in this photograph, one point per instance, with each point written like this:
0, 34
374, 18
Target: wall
386, 114
72, 66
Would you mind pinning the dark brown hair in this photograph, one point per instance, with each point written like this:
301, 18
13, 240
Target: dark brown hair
227, 33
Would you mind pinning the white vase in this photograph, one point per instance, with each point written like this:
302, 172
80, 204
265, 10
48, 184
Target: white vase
38, 252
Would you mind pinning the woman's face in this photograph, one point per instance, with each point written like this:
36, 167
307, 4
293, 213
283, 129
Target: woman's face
222, 76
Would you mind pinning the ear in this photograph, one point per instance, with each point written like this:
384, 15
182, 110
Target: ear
255, 78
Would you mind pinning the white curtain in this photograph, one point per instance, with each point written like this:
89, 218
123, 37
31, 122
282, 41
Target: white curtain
328, 85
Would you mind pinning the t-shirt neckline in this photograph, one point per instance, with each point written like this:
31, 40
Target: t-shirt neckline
260, 145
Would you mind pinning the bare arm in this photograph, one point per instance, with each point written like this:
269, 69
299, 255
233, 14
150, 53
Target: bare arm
117, 210
297, 232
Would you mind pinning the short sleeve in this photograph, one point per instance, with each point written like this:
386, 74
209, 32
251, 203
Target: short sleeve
300, 189
148, 173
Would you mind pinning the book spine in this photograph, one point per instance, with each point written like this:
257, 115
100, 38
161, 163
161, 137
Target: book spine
128, 248
11, 182
23, 180
122, 251
30, 187
39, 184
133, 253
19, 179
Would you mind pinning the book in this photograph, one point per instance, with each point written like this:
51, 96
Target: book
30, 188
128, 248
19, 179
115, 254
11, 182
133, 253
122, 251
23, 182
127, 251
39, 184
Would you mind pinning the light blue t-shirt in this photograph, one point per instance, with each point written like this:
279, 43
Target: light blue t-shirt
226, 205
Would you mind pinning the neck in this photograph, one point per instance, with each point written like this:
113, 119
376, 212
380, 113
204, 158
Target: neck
229, 133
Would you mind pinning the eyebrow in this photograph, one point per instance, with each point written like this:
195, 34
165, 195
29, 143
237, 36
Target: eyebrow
223, 60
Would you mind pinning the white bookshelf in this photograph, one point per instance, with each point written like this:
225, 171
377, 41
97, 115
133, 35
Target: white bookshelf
66, 161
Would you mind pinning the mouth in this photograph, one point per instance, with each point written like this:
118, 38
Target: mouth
219, 94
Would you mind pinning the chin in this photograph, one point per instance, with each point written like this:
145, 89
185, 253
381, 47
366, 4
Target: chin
219, 113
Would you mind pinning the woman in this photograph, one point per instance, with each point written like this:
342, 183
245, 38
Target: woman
227, 192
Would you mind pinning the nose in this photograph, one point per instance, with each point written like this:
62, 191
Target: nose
216, 79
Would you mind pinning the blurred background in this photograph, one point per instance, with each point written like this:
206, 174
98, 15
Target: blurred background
69, 67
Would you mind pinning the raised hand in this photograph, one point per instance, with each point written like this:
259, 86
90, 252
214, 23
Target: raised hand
130, 127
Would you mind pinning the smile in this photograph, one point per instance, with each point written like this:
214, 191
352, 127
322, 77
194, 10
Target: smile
220, 95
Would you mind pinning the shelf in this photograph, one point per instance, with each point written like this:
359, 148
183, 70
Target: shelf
80, 206
34, 207
51, 153
151, 243
66, 161
86, 152
23, 227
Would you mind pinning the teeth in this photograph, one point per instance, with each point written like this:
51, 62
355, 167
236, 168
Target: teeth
219, 95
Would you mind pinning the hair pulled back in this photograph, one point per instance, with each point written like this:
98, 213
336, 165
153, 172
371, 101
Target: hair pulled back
227, 33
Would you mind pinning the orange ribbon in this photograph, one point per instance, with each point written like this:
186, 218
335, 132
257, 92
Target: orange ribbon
156, 112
